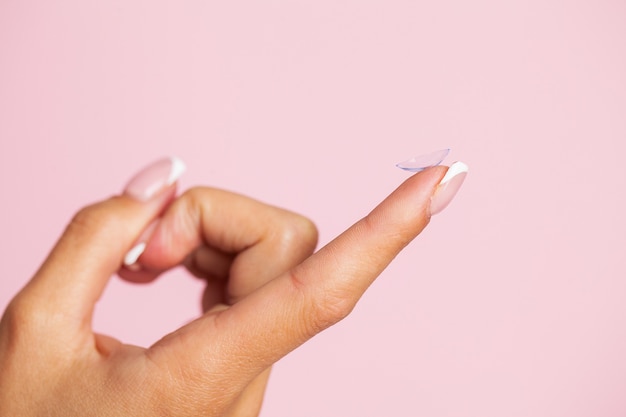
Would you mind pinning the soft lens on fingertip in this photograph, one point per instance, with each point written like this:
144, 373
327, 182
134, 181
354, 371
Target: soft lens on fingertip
420, 163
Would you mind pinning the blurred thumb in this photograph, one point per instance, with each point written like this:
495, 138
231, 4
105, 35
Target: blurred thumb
94, 244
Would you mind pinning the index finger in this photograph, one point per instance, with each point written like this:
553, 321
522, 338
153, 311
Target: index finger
324, 288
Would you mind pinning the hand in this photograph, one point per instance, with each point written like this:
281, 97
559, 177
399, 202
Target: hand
265, 297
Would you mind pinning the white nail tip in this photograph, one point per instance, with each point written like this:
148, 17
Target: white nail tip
134, 254
178, 169
454, 170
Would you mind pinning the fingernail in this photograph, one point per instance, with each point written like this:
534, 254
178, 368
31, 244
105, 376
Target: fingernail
130, 260
154, 178
448, 187
131, 257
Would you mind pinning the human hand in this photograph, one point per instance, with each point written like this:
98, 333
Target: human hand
265, 296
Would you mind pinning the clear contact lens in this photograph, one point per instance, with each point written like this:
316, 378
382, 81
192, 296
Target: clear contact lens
420, 163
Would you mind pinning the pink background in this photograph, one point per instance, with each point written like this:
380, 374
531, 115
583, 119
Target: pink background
512, 302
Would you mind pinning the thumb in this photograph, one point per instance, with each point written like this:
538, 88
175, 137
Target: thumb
93, 245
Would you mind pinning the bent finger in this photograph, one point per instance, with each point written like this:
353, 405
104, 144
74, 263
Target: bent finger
219, 233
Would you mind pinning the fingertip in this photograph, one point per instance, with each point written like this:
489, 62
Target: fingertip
407, 207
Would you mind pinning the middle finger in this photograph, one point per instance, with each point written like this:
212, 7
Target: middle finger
223, 231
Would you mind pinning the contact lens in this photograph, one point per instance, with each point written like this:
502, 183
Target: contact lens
420, 163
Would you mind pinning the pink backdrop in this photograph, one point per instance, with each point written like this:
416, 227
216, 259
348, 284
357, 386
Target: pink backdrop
512, 303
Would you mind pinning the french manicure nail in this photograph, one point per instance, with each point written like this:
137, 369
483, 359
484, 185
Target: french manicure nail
154, 178
448, 187
130, 260
131, 257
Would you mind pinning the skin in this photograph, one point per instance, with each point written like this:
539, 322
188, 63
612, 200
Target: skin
266, 294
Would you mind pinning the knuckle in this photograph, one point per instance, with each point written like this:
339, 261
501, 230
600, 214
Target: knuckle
21, 318
195, 201
301, 232
190, 207
321, 307
305, 229
195, 194
14, 317
331, 308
